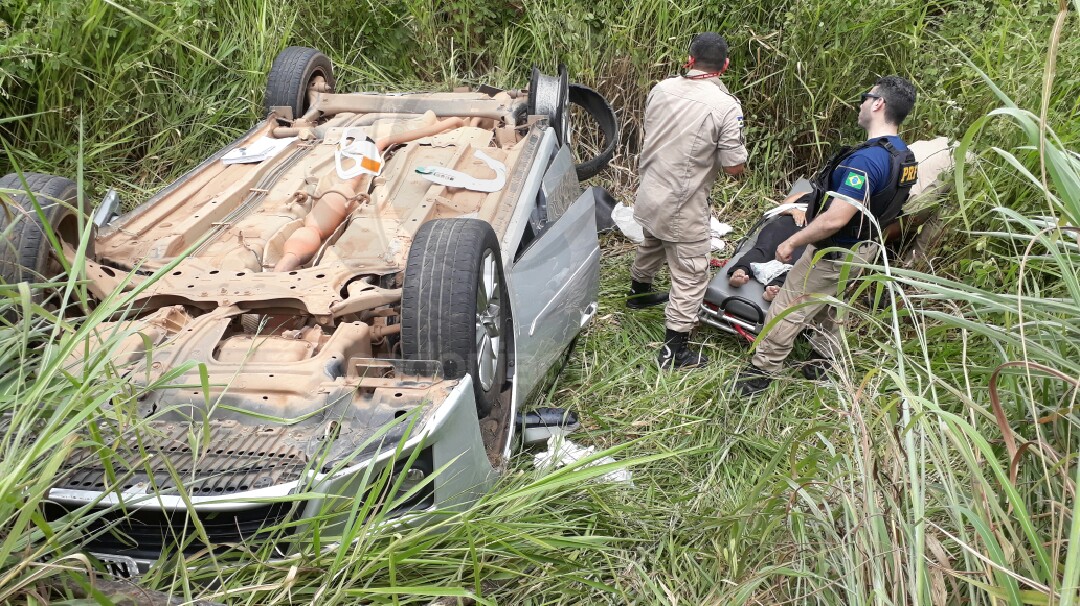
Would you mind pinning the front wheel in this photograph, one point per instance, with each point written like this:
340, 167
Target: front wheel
454, 304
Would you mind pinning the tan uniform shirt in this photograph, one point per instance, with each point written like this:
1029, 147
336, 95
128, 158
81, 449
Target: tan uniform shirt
934, 157
692, 129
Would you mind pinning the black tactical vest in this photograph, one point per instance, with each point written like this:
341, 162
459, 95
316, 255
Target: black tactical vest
884, 205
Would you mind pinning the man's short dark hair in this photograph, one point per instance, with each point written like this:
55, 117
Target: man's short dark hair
899, 96
709, 51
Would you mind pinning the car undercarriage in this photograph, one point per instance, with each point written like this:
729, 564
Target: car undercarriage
360, 284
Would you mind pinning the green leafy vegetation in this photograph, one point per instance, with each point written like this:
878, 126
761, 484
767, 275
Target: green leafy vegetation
939, 466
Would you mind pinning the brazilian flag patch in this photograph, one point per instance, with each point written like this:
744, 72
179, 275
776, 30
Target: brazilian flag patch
854, 180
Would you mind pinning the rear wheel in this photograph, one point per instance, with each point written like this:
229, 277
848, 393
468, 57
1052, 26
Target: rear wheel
454, 305
297, 70
26, 254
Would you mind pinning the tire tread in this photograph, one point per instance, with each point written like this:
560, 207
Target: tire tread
438, 300
26, 248
286, 83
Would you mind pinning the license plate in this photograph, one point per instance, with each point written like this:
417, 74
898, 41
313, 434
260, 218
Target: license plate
121, 567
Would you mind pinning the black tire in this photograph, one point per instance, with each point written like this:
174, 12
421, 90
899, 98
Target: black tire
445, 316
295, 69
27, 255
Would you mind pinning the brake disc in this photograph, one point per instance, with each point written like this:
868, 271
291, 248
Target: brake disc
548, 96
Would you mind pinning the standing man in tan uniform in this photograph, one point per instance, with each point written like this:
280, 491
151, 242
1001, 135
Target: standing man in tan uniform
693, 130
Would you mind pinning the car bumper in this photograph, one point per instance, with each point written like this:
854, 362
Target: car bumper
457, 471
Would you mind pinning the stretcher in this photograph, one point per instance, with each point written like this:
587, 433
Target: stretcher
740, 310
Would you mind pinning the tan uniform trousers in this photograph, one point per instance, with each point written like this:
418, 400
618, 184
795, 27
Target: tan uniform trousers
804, 285
688, 264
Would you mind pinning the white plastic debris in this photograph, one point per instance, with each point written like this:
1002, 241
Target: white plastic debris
455, 178
623, 216
768, 271
561, 452
718, 230
357, 154
258, 150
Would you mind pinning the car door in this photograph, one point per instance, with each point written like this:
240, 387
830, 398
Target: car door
554, 282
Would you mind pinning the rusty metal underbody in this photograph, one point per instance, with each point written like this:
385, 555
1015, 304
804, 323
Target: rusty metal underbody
232, 337
247, 212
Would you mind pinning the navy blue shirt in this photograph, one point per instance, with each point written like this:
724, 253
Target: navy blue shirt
862, 175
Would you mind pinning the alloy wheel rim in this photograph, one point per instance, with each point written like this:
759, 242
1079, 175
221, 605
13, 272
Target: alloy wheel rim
488, 321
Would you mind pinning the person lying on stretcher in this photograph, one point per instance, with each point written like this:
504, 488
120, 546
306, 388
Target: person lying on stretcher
914, 230
760, 261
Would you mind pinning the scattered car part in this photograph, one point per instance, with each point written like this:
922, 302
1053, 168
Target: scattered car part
597, 107
456, 178
540, 424
356, 148
108, 208
605, 205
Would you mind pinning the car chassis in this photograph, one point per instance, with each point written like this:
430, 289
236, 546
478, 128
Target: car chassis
292, 353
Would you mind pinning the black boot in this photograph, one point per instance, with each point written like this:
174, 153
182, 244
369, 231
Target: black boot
675, 354
642, 295
752, 380
816, 366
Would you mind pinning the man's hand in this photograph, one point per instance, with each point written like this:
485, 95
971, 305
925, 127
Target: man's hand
783, 252
824, 225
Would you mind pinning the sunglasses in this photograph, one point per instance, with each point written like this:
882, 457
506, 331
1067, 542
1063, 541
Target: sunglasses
866, 96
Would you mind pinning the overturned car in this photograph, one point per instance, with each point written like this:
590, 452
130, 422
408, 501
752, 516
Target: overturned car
361, 286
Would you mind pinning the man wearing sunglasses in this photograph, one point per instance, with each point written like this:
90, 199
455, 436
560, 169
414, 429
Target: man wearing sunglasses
872, 178
693, 130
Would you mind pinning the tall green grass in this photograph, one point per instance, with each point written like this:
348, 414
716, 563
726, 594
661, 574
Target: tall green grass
162, 84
